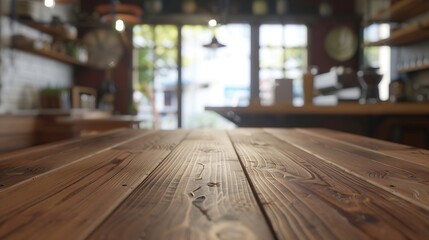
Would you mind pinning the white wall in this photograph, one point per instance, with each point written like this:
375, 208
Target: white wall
22, 75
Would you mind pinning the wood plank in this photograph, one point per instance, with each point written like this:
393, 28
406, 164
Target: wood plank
56, 32
308, 198
15, 142
404, 179
70, 202
406, 153
421, 67
24, 167
10, 124
412, 33
16, 132
198, 192
44, 147
51, 55
37, 148
401, 11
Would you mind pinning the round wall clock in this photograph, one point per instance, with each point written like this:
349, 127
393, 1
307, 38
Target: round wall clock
104, 48
341, 43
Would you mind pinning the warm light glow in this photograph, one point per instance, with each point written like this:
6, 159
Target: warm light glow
212, 23
50, 3
119, 25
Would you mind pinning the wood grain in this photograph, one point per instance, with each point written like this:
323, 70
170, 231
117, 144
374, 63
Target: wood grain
411, 33
308, 198
16, 132
16, 141
22, 167
400, 11
402, 178
198, 192
212, 184
36, 148
50, 54
70, 202
406, 153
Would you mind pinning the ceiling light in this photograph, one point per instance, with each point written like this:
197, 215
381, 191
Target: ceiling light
212, 23
50, 3
119, 25
128, 13
214, 44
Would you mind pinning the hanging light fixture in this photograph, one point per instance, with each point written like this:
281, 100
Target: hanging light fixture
50, 3
115, 11
119, 25
214, 44
223, 11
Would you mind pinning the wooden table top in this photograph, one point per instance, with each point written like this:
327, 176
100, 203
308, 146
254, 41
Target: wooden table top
216, 184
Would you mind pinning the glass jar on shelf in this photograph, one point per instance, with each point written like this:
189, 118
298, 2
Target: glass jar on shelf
259, 7
107, 93
189, 6
397, 90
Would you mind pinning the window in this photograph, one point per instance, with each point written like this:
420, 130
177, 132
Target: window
210, 77
282, 54
216, 77
156, 73
378, 57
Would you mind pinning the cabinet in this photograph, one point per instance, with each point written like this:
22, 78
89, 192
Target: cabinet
408, 34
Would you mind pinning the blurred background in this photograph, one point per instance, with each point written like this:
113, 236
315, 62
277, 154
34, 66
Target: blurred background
70, 67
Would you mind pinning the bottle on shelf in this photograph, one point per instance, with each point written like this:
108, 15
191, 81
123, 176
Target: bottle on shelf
325, 9
70, 49
189, 6
281, 7
153, 6
106, 93
81, 53
58, 47
259, 7
397, 90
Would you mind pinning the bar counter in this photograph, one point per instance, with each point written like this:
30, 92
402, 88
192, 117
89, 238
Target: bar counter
216, 184
342, 108
405, 123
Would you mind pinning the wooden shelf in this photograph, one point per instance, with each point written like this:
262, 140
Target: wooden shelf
55, 32
401, 11
413, 69
52, 55
412, 34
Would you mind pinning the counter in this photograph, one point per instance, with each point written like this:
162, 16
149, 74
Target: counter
340, 109
25, 128
406, 123
56, 112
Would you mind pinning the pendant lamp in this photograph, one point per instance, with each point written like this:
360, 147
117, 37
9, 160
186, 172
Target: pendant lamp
214, 44
128, 13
